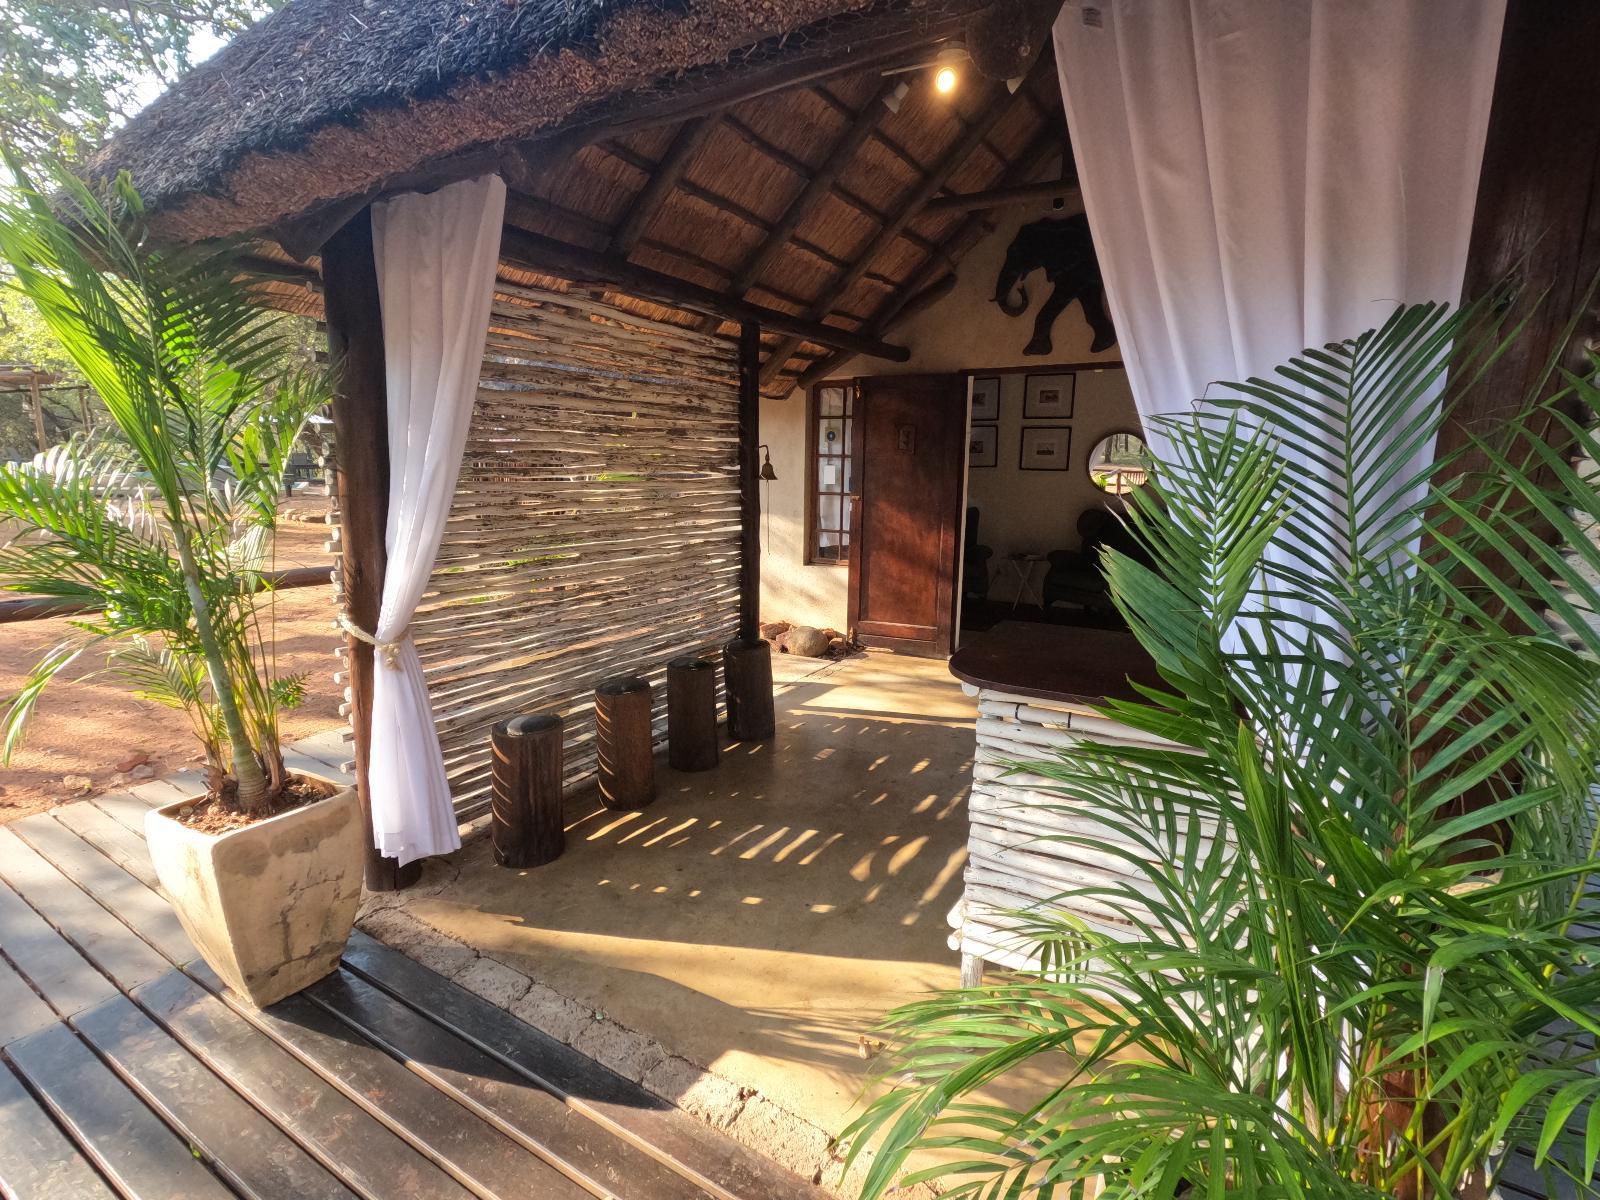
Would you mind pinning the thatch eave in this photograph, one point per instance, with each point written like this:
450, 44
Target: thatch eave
249, 142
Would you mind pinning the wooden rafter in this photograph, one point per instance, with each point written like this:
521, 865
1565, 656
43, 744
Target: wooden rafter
821, 182
798, 166
686, 143
545, 255
1022, 193
731, 208
993, 105
1045, 148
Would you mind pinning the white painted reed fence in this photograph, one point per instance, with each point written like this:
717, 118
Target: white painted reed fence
595, 527
1012, 863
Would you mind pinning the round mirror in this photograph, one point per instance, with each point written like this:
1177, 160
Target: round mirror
1116, 464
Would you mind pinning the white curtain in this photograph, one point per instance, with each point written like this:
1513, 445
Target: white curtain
436, 257
1267, 175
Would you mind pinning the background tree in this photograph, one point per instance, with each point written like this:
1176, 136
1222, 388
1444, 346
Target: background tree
71, 71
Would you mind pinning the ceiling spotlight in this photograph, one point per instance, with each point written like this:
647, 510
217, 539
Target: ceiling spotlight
948, 62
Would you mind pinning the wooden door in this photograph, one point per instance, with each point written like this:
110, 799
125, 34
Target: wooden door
910, 456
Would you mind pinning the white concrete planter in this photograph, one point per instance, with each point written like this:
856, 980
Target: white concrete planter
269, 906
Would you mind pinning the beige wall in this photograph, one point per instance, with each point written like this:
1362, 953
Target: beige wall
1037, 511
966, 331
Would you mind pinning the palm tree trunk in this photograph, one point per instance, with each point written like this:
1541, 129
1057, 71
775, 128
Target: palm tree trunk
253, 791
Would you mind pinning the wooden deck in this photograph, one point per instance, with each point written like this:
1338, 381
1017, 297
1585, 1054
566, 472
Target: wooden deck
127, 1071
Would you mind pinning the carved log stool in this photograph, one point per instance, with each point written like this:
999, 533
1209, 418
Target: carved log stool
623, 742
692, 714
747, 673
526, 820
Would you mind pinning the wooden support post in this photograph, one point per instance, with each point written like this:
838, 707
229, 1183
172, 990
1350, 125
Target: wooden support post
1536, 222
692, 714
526, 818
749, 481
624, 743
361, 433
36, 403
747, 660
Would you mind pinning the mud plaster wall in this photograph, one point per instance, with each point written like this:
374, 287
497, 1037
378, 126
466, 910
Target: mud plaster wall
1021, 510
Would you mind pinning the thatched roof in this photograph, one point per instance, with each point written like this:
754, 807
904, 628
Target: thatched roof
327, 99
788, 181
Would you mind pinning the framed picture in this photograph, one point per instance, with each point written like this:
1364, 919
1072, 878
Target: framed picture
983, 446
985, 399
1048, 397
1045, 447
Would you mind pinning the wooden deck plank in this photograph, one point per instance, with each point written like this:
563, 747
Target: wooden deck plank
370, 1159
112, 885
251, 1154
328, 747
127, 1142
604, 1164
714, 1162
106, 941
143, 909
125, 809
21, 1010
37, 1161
170, 788
111, 837
320, 763
49, 962
483, 1159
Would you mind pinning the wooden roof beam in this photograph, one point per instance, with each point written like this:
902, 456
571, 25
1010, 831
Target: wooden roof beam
821, 182
800, 167
995, 106
686, 143
999, 197
543, 255
1047, 145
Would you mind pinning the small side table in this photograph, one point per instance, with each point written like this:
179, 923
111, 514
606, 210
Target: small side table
1022, 566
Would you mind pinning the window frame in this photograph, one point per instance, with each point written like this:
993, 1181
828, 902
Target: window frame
811, 557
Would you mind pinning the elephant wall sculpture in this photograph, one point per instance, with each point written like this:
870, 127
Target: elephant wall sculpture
1063, 248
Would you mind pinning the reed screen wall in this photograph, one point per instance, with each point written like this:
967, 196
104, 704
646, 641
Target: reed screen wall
595, 527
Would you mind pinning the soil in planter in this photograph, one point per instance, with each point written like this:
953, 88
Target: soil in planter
220, 814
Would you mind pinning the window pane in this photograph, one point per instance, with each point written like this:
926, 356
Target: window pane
849, 475
844, 545
829, 512
829, 545
830, 402
829, 474
831, 436
849, 436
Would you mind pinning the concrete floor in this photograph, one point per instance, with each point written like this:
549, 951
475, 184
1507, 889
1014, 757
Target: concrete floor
757, 920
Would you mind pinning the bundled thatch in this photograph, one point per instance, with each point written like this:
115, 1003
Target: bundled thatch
336, 98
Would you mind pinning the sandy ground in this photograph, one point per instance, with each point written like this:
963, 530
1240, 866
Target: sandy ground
86, 729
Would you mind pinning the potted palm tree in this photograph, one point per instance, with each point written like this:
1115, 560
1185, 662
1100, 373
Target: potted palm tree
164, 527
1351, 960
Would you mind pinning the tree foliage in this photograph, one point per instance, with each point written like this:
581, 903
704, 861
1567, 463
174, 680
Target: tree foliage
72, 70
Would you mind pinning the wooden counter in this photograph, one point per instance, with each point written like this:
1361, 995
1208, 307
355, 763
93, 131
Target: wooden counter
1054, 662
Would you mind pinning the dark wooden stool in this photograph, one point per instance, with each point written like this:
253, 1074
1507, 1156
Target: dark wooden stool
692, 714
747, 675
526, 821
623, 742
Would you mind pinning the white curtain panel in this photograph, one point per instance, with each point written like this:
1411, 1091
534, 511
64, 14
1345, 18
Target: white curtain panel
436, 257
1267, 175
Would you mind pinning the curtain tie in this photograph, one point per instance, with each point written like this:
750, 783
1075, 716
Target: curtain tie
390, 650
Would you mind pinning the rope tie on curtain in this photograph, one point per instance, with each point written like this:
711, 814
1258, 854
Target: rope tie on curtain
389, 650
